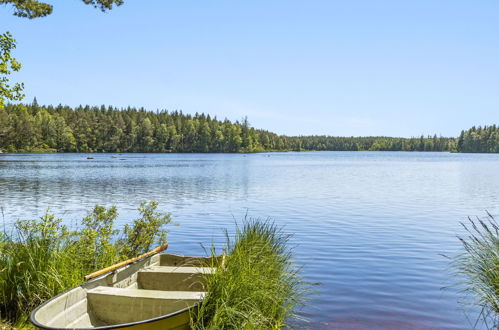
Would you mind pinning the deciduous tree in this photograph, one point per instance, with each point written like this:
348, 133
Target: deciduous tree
8, 64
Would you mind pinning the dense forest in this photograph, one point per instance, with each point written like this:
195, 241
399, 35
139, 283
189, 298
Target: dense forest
478, 139
34, 128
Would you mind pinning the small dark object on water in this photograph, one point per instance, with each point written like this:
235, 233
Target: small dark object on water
114, 156
122, 158
90, 157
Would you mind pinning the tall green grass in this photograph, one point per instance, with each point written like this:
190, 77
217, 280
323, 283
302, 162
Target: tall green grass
256, 285
41, 258
33, 265
478, 267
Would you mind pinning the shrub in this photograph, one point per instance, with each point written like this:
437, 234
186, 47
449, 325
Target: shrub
145, 231
94, 243
42, 258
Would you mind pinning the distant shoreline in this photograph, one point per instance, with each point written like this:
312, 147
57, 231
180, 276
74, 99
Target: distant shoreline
232, 153
30, 128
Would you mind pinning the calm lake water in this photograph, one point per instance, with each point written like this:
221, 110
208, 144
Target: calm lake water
370, 227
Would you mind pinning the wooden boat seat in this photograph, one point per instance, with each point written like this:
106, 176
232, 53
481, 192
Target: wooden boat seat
170, 284
172, 278
119, 305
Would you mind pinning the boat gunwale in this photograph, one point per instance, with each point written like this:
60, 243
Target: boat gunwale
104, 327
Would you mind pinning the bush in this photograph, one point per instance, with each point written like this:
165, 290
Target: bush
42, 258
145, 231
94, 246
256, 286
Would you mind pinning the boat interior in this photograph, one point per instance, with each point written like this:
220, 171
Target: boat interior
147, 289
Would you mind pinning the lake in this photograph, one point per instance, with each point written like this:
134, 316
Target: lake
370, 227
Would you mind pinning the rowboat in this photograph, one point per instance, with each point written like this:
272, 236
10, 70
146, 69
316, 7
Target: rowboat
153, 291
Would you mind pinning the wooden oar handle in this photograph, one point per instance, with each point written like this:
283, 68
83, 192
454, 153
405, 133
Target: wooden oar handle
127, 262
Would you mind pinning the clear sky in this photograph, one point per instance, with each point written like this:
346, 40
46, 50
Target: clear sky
349, 67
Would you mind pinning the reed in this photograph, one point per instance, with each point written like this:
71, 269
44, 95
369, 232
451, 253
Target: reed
478, 267
256, 286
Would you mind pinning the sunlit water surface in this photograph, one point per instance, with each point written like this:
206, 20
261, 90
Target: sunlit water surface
370, 227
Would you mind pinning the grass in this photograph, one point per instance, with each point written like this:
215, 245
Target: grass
256, 286
33, 266
478, 267
41, 258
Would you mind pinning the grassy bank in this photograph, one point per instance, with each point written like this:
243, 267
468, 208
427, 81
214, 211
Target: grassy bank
256, 286
41, 258
477, 267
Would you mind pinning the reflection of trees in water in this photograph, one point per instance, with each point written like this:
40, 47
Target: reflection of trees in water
28, 191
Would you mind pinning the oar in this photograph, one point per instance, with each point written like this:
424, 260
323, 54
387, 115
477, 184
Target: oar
127, 262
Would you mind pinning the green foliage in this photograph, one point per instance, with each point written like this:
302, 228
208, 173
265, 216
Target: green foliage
478, 139
256, 286
32, 128
32, 265
34, 8
29, 8
373, 143
478, 267
42, 258
145, 231
94, 244
104, 4
7, 65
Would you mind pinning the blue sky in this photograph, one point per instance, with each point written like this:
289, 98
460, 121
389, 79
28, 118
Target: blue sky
396, 68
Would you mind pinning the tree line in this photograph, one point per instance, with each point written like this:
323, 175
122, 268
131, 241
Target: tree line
373, 143
35, 128
478, 139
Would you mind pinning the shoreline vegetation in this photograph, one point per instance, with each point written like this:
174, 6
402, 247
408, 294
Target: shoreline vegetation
43, 257
257, 286
31, 128
477, 269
